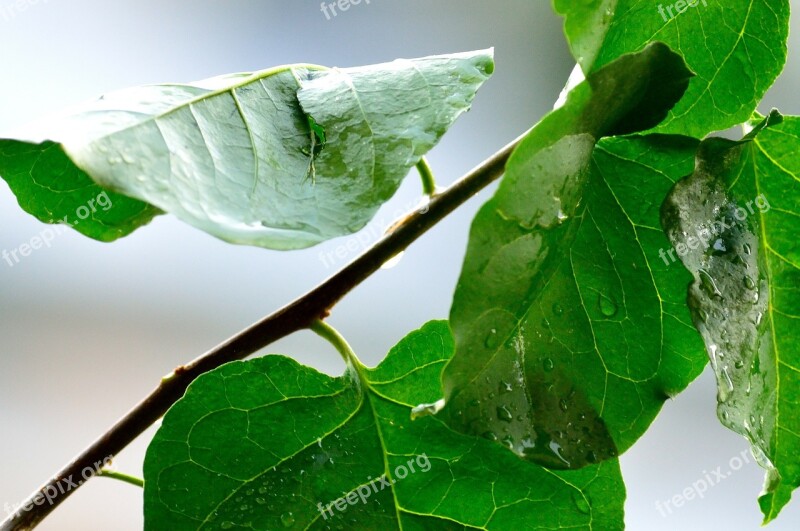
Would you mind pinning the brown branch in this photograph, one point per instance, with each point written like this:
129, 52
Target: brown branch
291, 318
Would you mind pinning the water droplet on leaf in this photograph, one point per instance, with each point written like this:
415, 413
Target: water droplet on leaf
708, 284
607, 306
492, 436
504, 414
580, 502
287, 519
491, 339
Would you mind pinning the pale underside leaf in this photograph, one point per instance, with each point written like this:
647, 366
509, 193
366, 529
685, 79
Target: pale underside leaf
283, 158
734, 225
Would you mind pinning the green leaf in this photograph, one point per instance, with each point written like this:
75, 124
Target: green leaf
283, 158
734, 224
54, 190
264, 444
737, 48
570, 332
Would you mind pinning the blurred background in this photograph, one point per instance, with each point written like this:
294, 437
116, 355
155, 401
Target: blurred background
87, 329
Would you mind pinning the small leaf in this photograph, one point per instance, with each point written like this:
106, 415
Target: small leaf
233, 155
737, 48
269, 444
54, 190
734, 225
560, 327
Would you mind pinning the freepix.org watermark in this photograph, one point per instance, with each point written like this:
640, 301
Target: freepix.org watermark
681, 6
369, 234
329, 8
46, 236
373, 486
699, 488
51, 492
707, 233
10, 10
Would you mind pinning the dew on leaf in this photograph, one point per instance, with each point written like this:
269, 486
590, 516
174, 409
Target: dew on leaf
580, 502
491, 340
504, 414
708, 284
492, 436
607, 306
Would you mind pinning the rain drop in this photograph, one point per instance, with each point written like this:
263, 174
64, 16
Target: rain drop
557, 309
393, 261
287, 519
726, 386
580, 502
491, 339
226, 525
563, 405
505, 387
749, 283
504, 414
607, 306
708, 284
547, 364
728, 381
492, 436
